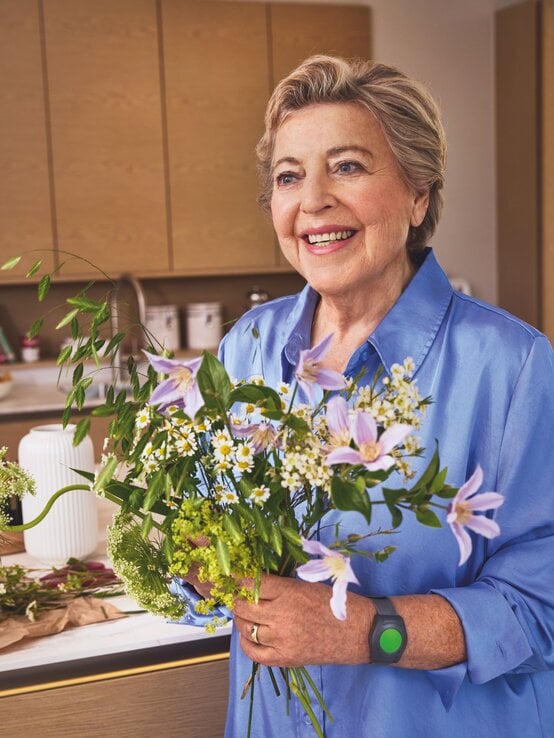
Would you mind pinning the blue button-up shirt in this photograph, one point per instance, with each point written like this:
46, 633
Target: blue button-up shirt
491, 378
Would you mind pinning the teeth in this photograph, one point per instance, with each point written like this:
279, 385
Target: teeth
325, 238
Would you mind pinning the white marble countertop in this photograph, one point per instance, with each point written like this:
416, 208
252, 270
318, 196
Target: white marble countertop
138, 631
37, 389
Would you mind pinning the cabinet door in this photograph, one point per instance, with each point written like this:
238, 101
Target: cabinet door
301, 30
216, 73
548, 169
104, 90
25, 215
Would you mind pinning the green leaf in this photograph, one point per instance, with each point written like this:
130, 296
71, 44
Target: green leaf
438, 482
66, 416
222, 553
67, 318
146, 525
11, 263
84, 304
43, 286
346, 496
391, 497
255, 394
447, 492
103, 411
106, 473
276, 539
214, 384
77, 373
34, 330
261, 524
291, 535
429, 473
155, 490
115, 341
82, 429
64, 354
427, 517
232, 527
34, 269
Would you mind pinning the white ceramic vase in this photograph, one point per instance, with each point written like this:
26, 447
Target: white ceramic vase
71, 526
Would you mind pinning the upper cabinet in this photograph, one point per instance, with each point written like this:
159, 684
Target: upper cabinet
107, 145
129, 127
525, 161
216, 82
25, 206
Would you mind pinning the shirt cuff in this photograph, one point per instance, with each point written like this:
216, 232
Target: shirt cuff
191, 617
447, 682
495, 640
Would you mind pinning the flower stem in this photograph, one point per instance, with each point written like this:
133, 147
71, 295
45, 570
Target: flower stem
51, 501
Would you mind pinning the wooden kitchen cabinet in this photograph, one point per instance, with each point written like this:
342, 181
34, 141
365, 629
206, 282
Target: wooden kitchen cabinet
25, 206
175, 702
216, 82
132, 127
525, 161
105, 109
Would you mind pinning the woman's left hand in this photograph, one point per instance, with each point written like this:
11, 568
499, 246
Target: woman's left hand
296, 626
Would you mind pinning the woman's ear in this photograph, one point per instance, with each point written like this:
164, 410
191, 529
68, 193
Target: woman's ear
419, 208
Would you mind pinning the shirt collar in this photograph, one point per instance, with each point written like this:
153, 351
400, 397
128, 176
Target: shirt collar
408, 329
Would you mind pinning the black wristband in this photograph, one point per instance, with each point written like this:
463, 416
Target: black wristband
388, 637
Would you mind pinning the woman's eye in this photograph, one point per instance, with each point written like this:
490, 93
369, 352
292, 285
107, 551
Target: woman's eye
347, 167
285, 178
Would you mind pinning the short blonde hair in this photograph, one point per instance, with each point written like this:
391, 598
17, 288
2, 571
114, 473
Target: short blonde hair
405, 110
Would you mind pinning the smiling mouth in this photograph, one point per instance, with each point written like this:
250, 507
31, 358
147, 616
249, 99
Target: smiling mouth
325, 239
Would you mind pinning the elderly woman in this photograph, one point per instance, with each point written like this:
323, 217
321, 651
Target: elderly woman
352, 161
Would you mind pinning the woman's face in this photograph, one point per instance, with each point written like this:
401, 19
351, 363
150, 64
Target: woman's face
340, 208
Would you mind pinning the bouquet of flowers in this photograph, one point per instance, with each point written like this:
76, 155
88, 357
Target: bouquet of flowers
231, 479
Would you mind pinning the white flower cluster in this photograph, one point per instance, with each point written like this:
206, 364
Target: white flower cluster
304, 464
398, 402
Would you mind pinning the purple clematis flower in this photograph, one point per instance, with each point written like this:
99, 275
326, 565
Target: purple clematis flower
332, 566
309, 370
261, 435
461, 513
372, 451
338, 422
180, 388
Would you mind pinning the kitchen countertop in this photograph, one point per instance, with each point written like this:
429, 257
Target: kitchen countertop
117, 644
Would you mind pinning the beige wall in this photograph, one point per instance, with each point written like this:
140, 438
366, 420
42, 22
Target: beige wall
448, 44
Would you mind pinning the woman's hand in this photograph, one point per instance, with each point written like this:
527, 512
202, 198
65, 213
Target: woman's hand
297, 627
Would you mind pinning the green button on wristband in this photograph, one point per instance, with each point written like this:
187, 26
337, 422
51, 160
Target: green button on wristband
388, 638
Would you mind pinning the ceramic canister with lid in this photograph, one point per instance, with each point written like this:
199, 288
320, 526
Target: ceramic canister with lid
71, 526
204, 324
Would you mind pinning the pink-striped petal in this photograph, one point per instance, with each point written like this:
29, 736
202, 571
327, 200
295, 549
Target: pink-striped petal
464, 542
471, 486
483, 526
318, 351
337, 416
486, 501
364, 428
343, 455
316, 548
393, 436
338, 599
381, 464
166, 393
314, 571
330, 379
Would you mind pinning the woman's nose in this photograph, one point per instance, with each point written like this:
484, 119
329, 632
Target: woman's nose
316, 194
